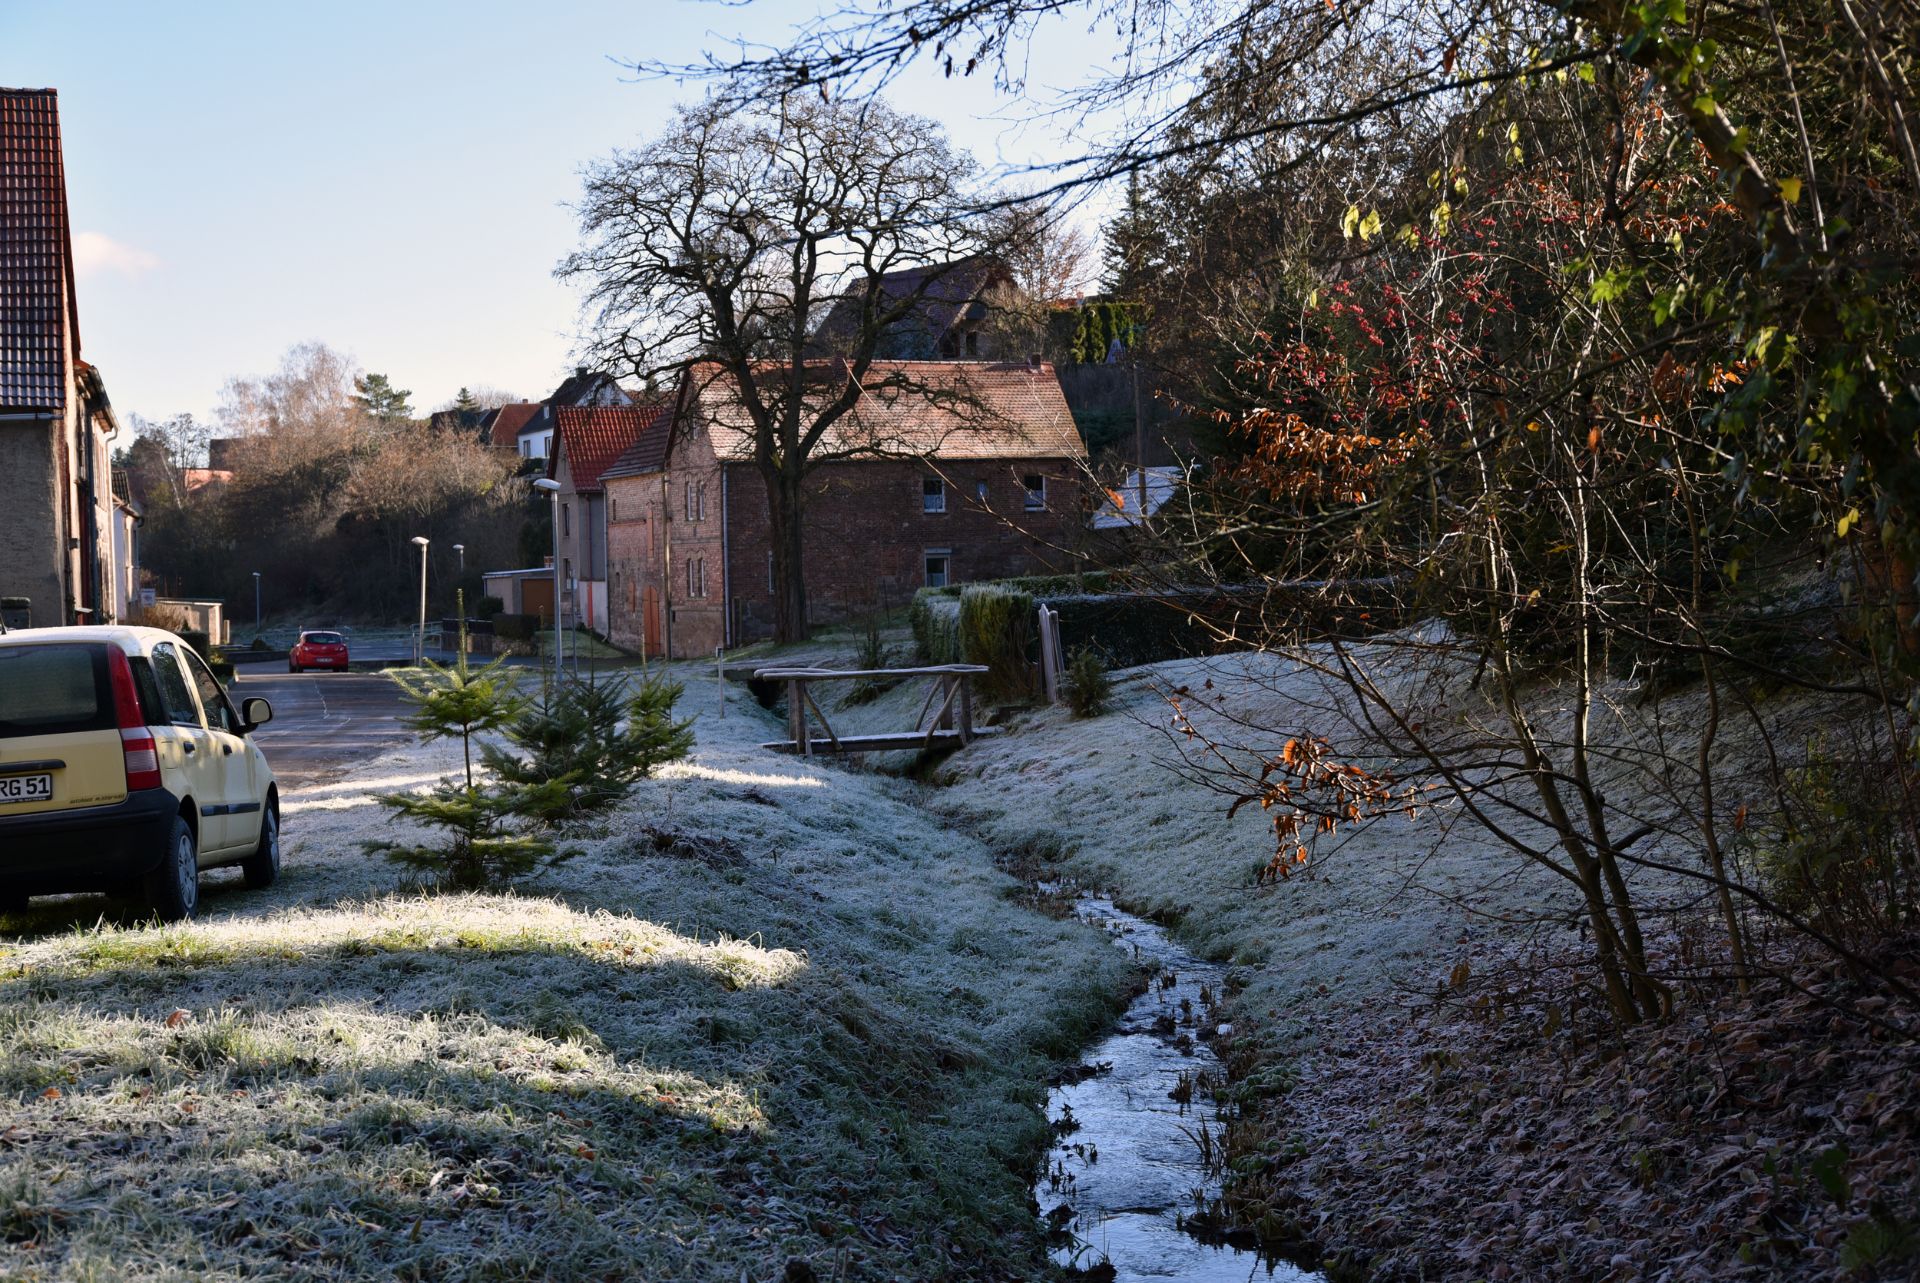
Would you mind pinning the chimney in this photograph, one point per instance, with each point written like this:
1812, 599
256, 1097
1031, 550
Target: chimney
580, 371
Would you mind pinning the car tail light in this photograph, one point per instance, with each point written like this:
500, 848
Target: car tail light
137, 748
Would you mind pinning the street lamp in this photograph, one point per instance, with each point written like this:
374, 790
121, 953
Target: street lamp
552, 488
420, 638
460, 551
256, 603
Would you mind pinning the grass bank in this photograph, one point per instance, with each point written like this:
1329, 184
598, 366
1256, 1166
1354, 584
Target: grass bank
768, 1011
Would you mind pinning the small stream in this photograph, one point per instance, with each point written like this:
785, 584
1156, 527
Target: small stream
1126, 1166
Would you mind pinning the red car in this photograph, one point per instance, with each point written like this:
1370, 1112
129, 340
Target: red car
318, 650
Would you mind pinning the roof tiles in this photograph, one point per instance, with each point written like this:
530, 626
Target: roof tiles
925, 409
594, 437
509, 419
36, 303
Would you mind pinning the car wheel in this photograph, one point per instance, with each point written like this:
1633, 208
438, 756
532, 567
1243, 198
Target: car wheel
263, 866
173, 889
292, 667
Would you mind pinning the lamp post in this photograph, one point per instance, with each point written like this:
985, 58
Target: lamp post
552, 488
420, 638
256, 603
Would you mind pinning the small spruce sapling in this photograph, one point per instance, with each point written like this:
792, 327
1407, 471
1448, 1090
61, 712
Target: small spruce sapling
487, 844
580, 751
1087, 685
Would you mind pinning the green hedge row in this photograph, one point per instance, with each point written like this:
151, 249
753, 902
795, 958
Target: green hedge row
990, 624
515, 627
935, 619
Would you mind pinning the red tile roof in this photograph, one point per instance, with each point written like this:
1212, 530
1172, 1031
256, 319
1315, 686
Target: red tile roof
508, 420
648, 453
38, 316
593, 437
922, 409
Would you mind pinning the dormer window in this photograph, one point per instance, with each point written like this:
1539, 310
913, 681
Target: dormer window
933, 495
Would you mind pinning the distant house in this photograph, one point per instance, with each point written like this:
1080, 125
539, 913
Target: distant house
534, 438
954, 311
955, 470
1121, 508
500, 428
57, 511
587, 440
125, 540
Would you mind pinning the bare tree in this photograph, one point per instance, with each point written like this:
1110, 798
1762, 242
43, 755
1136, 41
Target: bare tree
711, 253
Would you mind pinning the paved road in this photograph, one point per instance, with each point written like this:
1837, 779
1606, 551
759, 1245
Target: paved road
323, 723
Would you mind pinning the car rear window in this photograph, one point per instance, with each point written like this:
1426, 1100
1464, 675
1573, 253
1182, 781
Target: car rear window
54, 689
324, 639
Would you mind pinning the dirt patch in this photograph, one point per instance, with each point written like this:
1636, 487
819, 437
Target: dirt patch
1752, 1138
710, 849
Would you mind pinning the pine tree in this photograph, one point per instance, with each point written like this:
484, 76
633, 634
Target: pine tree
588, 743
488, 843
468, 408
1130, 252
376, 395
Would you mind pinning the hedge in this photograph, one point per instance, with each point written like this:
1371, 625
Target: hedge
996, 629
985, 623
515, 627
1136, 628
935, 617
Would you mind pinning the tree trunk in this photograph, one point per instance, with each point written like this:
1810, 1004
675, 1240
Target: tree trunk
786, 510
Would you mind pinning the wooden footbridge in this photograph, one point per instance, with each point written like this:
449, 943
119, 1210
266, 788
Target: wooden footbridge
951, 723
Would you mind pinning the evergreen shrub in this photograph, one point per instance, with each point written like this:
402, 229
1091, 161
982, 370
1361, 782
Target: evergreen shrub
1088, 687
935, 619
581, 749
996, 629
515, 627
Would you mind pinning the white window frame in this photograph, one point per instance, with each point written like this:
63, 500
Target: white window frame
942, 555
933, 495
1034, 504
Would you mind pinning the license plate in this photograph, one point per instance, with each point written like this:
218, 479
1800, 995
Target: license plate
25, 788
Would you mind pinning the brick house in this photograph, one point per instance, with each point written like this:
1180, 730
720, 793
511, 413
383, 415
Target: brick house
586, 440
957, 310
57, 513
974, 473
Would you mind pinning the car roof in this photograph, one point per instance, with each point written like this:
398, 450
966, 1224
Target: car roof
126, 636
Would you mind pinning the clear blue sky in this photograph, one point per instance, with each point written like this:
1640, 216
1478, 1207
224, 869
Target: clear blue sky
388, 178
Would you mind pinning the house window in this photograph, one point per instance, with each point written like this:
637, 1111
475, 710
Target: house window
933, 495
700, 501
1036, 487
566, 521
696, 576
939, 567
613, 508
980, 492
973, 343
769, 572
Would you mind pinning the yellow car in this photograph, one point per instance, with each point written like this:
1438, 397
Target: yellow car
125, 768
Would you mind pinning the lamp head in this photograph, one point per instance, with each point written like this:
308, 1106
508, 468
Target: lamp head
546, 483
421, 540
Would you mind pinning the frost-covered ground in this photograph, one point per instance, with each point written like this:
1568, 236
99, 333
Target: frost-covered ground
819, 1030
1389, 905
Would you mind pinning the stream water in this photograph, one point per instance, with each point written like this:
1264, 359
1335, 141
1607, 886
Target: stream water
1126, 1167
